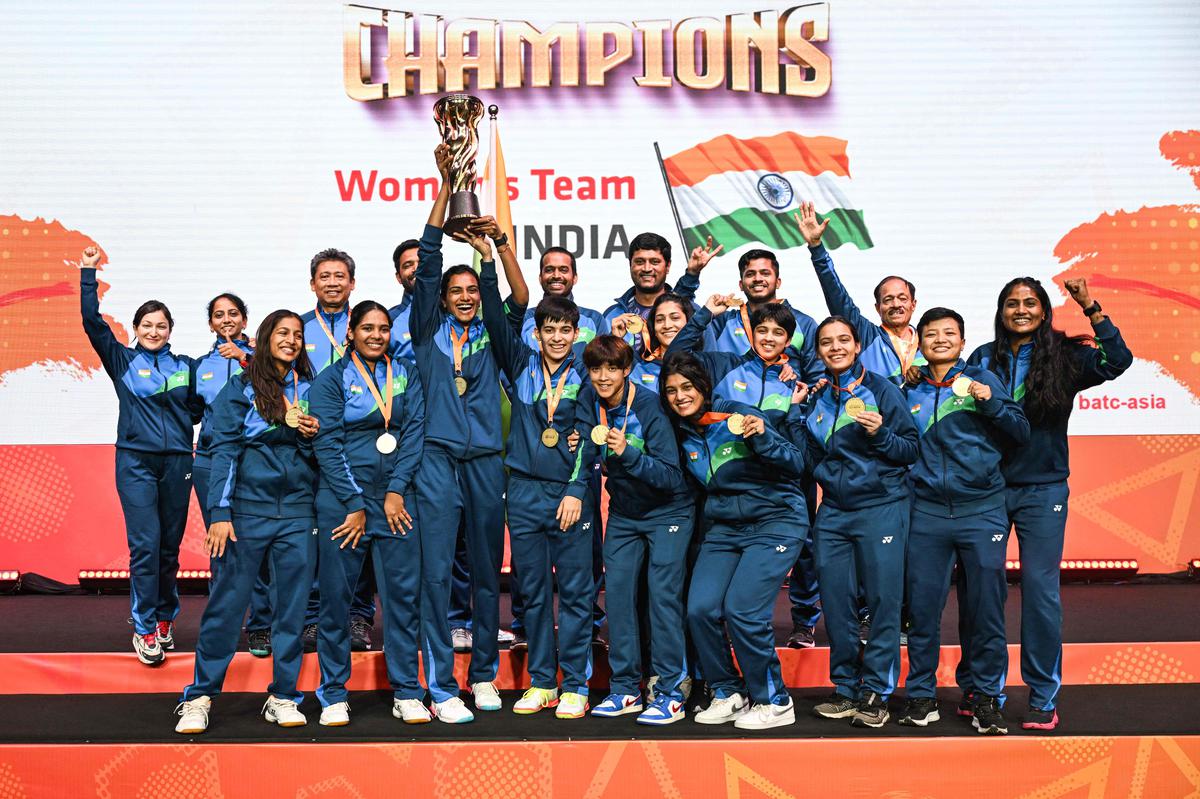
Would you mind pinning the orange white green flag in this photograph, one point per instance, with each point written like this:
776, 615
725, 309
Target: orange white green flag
742, 191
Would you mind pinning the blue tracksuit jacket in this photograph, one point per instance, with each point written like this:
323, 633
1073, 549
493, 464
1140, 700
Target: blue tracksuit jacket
962, 442
726, 333
155, 390
878, 353
469, 425
687, 287
259, 469
321, 351
213, 371
401, 344
1046, 458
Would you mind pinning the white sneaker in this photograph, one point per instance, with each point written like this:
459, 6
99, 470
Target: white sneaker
283, 712
505, 637
723, 709
452, 711
534, 699
148, 649
461, 638
764, 717
572, 706
193, 715
335, 715
486, 696
411, 711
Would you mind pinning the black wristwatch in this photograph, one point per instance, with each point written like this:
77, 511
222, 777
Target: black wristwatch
501, 240
1094, 308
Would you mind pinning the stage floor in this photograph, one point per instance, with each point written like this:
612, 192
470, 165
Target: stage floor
1091, 614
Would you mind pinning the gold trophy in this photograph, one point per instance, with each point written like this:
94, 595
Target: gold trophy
458, 117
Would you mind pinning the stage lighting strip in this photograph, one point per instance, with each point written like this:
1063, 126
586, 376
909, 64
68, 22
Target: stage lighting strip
123, 574
1083, 565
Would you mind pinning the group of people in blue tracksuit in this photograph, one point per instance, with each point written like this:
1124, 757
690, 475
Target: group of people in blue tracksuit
354, 449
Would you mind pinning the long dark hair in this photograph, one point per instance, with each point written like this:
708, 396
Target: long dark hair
1053, 371
262, 372
688, 365
358, 312
668, 296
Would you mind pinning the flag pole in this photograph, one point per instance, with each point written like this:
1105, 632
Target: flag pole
670, 196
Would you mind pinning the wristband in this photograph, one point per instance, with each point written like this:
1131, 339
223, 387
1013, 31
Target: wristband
501, 240
1094, 308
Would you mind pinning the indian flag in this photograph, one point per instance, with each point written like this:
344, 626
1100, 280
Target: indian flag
742, 191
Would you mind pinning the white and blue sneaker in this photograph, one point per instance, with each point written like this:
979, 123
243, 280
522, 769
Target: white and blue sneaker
665, 710
618, 705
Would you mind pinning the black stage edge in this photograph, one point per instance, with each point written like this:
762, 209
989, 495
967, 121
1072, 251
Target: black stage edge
1090, 710
1091, 614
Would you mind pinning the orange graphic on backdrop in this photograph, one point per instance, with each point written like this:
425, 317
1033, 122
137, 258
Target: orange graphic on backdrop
39, 296
1145, 265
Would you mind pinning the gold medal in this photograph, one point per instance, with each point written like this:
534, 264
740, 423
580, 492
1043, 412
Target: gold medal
292, 417
734, 302
386, 444
460, 385
855, 406
961, 387
736, 423
550, 437
635, 325
600, 434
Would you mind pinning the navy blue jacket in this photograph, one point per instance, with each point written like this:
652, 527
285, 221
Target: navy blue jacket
687, 287
645, 481
466, 426
878, 353
738, 377
726, 333
155, 390
401, 343
1046, 459
321, 351
351, 467
962, 442
259, 469
213, 371
856, 470
525, 455
747, 481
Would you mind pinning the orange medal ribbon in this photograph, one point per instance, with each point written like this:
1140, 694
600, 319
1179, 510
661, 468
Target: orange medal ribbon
458, 348
329, 334
631, 388
554, 396
384, 403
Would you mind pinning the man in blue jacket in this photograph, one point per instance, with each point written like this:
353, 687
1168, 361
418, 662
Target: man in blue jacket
966, 420
649, 263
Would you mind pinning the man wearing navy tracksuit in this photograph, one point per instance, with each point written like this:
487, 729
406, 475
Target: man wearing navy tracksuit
541, 479
462, 475
153, 462
650, 521
966, 419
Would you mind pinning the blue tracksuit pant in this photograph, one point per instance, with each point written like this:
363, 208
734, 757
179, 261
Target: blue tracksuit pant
978, 543
260, 599
598, 613
460, 590
1039, 515
663, 543
862, 550
397, 564
362, 606
736, 579
449, 491
289, 545
155, 490
543, 553
803, 591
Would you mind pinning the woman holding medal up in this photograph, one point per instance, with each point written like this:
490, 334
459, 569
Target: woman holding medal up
755, 519
669, 314
859, 440
368, 450
261, 506
156, 396
1043, 370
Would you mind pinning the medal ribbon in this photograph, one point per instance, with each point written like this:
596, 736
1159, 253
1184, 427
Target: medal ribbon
383, 403
906, 349
631, 388
711, 418
853, 385
458, 348
554, 395
287, 406
950, 378
329, 334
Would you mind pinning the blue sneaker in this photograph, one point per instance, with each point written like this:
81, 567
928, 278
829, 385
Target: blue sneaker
665, 710
618, 705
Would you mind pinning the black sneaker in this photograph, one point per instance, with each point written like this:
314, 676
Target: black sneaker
920, 713
801, 638
309, 638
360, 634
836, 707
864, 630
260, 642
598, 641
988, 719
966, 705
871, 712
1040, 719
519, 642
